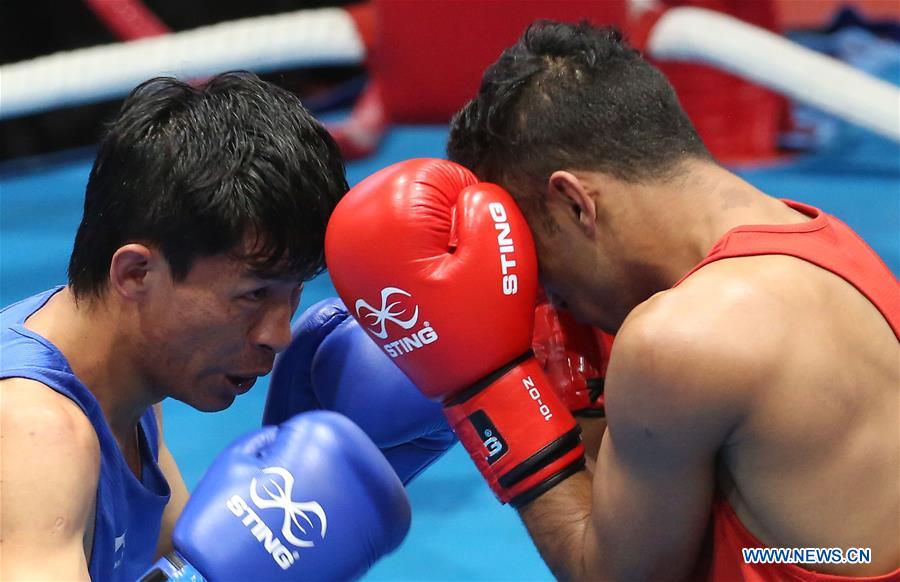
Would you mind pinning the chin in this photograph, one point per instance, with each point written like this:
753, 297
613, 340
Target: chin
598, 319
609, 322
212, 403
608, 328
219, 404
584, 315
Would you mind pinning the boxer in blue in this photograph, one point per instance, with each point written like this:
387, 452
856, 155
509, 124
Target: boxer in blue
204, 213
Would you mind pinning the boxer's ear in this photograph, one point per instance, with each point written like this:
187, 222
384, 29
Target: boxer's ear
134, 269
567, 187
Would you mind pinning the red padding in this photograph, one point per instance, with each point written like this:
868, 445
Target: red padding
127, 19
430, 56
737, 120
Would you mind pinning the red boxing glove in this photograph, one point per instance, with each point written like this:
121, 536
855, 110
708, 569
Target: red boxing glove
573, 355
440, 271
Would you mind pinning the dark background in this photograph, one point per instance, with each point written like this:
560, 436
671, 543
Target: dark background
35, 28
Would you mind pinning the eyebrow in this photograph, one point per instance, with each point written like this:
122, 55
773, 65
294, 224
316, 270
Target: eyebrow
251, 274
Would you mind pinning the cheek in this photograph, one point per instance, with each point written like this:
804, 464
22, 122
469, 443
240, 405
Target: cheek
550, 264
549, 279
215, 329
174, 340
196, 324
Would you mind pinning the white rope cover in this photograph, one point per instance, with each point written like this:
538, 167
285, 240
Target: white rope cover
698, 35
305, 38
328, 36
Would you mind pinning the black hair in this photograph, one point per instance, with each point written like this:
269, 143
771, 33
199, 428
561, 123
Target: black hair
572, 96
193, 171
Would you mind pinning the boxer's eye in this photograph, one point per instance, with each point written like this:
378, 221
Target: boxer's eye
257, 294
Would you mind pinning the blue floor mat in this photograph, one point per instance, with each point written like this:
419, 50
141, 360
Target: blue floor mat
459, 531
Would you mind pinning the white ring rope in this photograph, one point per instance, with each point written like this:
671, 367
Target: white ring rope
698, 35
326, 36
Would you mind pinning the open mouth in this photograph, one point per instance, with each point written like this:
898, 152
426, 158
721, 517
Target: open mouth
242, 383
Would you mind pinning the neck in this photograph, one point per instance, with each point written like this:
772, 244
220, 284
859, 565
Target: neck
678, 221
91, 335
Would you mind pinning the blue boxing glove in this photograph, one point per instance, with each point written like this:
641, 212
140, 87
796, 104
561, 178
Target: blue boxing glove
312, 499
333, 364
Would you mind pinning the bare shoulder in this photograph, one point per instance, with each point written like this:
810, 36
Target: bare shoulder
45, 434
50, 469
696, 353
35, 413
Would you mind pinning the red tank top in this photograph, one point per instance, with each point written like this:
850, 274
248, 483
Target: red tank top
823, 241
830, 244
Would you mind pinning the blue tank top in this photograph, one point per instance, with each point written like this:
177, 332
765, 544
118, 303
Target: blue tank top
129, 512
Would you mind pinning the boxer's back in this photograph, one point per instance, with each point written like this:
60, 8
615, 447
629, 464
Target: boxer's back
814, 460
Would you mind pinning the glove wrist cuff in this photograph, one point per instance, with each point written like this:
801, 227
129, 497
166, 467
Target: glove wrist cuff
517, 430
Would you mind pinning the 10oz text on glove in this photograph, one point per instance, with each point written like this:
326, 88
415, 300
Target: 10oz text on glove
536, 396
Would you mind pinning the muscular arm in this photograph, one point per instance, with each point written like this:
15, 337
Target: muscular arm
672, 398
48, 483
176, 484
592, 431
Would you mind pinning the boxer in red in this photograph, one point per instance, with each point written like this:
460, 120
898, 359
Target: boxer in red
752, 393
